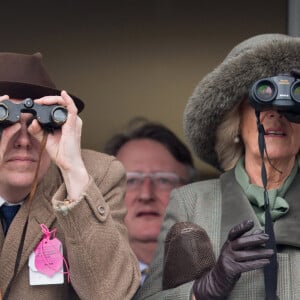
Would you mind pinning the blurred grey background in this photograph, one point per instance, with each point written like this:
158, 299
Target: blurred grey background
128, 58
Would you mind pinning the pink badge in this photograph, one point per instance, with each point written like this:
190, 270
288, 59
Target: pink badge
48, 253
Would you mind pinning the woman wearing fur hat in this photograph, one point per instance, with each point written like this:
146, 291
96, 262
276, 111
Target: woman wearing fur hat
257, 196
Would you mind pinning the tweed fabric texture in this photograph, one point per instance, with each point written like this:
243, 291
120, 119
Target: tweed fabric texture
93, 234
217, 205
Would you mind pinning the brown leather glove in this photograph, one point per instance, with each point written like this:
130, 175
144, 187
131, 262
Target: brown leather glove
240, 253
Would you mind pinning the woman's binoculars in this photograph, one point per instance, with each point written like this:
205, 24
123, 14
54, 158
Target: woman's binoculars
281, 93
49, 116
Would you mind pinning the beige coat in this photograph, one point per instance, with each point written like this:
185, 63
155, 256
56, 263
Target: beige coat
93, 234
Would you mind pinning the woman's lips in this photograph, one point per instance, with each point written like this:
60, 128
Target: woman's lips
275, 132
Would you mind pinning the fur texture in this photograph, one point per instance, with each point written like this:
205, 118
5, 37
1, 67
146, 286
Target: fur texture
229, 83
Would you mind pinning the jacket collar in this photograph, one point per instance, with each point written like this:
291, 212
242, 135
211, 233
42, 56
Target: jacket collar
287, 228
41, 212
236, 208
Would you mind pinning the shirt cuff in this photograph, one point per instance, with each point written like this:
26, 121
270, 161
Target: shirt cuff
67, 204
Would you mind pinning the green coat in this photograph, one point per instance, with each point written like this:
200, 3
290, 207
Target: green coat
217, 205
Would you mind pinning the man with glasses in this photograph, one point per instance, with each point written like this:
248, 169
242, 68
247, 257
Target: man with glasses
156, 162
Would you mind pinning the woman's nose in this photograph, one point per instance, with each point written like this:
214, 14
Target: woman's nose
273, 113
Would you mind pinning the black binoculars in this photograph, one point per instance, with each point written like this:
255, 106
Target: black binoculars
49, 116
281, 93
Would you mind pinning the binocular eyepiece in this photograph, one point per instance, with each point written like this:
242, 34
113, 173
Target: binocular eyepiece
50, 117
281, 93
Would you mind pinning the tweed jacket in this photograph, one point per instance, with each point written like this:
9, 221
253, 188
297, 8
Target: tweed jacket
217, 205
93, 235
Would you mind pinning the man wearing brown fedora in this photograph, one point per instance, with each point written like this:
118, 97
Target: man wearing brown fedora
61, 207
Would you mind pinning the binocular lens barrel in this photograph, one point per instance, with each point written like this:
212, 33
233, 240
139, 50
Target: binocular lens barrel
265, 90
3, 112
296, 91
59, 115
280, 93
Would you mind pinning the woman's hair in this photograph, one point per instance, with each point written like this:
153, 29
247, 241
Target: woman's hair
228, 150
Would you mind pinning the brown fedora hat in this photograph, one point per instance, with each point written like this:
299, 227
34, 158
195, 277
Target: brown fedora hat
24, 76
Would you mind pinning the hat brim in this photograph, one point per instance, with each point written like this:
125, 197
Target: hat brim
228, 85
25, 90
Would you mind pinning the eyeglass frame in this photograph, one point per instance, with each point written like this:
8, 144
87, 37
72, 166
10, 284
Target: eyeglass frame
154, 175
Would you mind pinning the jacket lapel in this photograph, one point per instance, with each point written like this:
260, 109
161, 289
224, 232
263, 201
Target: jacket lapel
235, 205
41, 212
236, 208
287, 228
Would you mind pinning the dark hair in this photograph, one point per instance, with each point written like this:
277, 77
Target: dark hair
142, 129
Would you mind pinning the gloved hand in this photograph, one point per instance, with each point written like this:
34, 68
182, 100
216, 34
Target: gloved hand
240, 253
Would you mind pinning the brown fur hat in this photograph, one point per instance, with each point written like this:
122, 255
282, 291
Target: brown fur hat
229, 83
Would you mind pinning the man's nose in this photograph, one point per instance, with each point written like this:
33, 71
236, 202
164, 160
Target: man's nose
146, 190
23, 138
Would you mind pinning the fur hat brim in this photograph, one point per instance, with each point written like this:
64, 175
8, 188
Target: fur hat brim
229, 83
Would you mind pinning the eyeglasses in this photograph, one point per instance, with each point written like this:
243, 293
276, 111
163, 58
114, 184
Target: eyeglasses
160, 180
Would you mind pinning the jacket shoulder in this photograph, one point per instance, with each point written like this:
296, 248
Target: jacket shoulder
101, 164
200, 187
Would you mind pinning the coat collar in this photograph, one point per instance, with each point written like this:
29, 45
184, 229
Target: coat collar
41, 212
287, 228
236, 208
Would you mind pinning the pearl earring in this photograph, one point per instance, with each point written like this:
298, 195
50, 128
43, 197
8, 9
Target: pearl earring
236, 139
